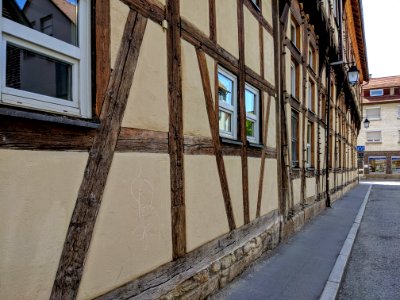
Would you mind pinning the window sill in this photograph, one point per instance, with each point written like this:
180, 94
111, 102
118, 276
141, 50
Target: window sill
374, 142
17, 113
231, 142
254, 145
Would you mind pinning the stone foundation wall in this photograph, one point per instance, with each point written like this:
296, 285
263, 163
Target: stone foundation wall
225, 269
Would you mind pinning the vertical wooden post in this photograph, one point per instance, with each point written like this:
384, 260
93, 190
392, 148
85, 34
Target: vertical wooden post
242, 112
178, 217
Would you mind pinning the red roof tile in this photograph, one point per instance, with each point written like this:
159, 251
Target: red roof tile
382, 82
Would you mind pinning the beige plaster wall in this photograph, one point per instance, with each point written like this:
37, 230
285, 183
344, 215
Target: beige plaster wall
227, 26
205, 211
38, 190
389, 125
271, 135
132, 234
233, 167
195, 118
269, 58
147, 106
310, 187
197, 13
118, 15
267, 10
253, 166
296, 191
270, 200
251, 41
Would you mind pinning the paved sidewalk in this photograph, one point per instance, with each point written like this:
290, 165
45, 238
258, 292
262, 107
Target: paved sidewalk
300, 267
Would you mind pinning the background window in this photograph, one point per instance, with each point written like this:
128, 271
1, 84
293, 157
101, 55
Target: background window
377, 164
374, 136
227, 86
252, 104
294, 137
294, 80
310, 145
395, 164
373, 113
376, 93
311, 96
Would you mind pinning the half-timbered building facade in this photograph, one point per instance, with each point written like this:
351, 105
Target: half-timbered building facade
155, 148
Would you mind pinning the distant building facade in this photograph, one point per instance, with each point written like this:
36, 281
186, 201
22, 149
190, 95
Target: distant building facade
381, 106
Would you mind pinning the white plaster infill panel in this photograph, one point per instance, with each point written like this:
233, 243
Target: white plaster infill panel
147, 106
132, 235
38, 191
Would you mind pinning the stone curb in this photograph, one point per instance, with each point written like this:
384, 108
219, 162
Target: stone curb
332, 286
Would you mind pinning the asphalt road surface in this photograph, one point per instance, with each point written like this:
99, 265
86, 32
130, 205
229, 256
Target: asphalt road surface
373, 270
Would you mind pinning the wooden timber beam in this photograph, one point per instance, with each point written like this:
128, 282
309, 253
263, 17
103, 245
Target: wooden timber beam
175, 136
212, 118
101, 154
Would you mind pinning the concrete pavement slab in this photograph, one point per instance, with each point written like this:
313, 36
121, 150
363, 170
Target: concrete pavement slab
300, 267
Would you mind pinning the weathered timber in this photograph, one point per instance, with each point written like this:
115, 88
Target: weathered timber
102, 66
18, 133
261, 42
242, 112
151, 9
198, 39
142, 140
258, 15
212, 118
87, 205
263, 156
175, 134
157, 283
212, 20
278, 85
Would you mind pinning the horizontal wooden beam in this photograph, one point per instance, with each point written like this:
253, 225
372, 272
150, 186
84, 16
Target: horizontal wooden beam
141, 140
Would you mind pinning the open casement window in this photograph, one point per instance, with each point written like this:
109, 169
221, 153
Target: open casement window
374, 136
252, 104
227, 98
294, 79
295, 138
311, 58
295, 33
45, 56
373, 113
311, 96
310, 145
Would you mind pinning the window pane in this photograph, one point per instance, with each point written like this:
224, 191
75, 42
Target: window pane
225, 121
31, 72
396, 164
57, 18
250, 99
373, 113
225, 87
250, 128
377, 165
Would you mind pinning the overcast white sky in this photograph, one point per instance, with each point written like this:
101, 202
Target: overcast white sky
382, 26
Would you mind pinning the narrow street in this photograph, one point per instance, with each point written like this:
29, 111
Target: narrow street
373, 271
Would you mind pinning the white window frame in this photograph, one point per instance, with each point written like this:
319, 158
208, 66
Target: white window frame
373, 118
376, 93
374, 140
227, 108
293, 79
255, 118
309, 141
40, 43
